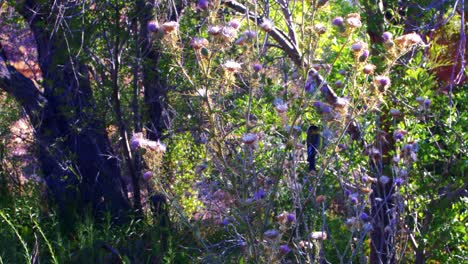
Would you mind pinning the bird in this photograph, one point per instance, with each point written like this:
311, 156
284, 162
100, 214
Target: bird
313, 143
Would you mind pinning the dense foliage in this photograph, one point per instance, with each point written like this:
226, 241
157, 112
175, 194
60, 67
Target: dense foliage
233, 132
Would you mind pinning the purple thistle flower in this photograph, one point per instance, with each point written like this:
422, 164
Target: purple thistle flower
353, 199
387, 36
365, 217
225, 222
398, 135
383, 81
364, 55
318, 105
399, 181
338, 21
284, 249
234, 23
324, 89
152, 26
257, 67
203, 4
291, 217
427, 103
147, 175
326, 109
260, 194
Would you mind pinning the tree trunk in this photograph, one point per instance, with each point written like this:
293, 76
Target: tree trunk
76, 159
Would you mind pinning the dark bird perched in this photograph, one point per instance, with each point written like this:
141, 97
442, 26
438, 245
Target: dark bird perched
313, 143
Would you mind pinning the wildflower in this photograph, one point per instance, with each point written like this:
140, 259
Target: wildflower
147, 175
153, 26
326, 109
382, 81
354, 198
427, 103
357, 46
281, 108
234, 23
203, 4
258, 195
338, 21
214, 30
353, 20
364, 55
291, 217
408, 148
137, 140
257, 67
231, 66
225, 222
369, 69
399, 134
228, 33
399, 181
284, 249
320, 29
169, 27
318, 235
365, 217
368, 179
318, 105
420, 100
267, 25
387, 36
384, 180
198, 43
395, 113
271, 234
